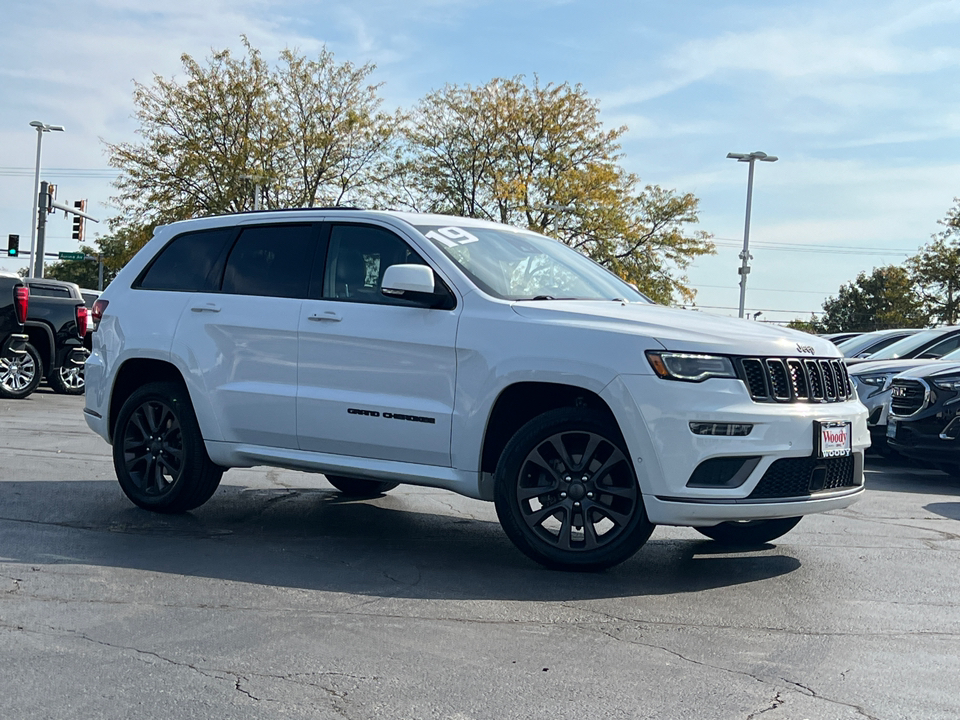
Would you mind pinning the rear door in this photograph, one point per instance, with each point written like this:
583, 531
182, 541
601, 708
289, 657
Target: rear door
243, 340
377, 374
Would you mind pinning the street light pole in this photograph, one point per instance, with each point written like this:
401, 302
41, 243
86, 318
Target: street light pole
744, 268
34, 217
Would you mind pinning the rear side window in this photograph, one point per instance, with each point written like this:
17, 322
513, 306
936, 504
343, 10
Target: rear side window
189, 263
49, 291
272, 260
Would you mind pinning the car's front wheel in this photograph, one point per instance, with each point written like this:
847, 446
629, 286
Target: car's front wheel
158, 452
749, 532
20, 373
357, 487
566, 492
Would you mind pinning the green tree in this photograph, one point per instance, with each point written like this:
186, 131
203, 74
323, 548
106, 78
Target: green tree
809, 326
883, 299
306, 131
539, 157
935, 270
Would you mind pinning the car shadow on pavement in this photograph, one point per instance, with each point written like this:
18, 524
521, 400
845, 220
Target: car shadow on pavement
949, 510
903, 475
315, 539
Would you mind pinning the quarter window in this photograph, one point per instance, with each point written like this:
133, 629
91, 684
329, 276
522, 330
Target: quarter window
191, 262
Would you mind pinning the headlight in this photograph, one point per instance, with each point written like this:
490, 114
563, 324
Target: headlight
951, 382
689, 367
878, 381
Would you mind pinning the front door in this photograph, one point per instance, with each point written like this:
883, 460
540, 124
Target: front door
377, 374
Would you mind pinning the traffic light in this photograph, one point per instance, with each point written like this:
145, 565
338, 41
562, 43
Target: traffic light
13, 245
51, 196
81, 205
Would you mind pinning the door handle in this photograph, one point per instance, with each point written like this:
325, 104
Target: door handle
209, 307
326, 316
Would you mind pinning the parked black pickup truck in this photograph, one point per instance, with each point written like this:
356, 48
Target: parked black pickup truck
56, 325
18, 374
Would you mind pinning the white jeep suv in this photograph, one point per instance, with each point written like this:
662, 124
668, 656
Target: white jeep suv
381, 348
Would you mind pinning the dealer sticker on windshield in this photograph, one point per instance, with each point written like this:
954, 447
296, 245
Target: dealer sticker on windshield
834, 439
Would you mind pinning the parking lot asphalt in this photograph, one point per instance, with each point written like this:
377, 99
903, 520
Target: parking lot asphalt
280, 599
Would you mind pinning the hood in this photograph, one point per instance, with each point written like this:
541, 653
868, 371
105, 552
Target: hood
894, 366
680, 330
935, 369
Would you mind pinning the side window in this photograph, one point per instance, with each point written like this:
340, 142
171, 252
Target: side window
191, 262
358, 256
271, 260
942, 348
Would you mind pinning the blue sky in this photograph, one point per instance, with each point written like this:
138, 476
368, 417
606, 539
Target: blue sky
859, 100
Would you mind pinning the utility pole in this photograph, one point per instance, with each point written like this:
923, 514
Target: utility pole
41, 128
745, 256
257, 181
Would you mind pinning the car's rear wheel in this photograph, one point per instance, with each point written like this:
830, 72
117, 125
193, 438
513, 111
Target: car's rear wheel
749, 532
566, 492
67, 380
158, 452
357, 487
20, 373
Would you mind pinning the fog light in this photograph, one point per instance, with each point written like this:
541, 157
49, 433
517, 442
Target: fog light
728, 429
723, 472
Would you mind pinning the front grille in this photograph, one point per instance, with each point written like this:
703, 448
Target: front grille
799, 477
908, 396
795, 379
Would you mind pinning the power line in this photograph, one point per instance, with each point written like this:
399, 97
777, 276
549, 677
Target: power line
732, 288
106, 173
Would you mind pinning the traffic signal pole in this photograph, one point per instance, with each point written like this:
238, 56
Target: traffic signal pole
42, 211
46, 204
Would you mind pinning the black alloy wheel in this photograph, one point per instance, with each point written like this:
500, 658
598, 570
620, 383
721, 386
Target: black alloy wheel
158, 452
357, 487
749, 532
566, 492
20, 373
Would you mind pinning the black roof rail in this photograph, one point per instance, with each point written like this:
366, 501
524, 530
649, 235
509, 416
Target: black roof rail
298, 209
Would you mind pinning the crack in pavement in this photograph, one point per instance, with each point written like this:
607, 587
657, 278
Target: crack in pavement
302, 679
777, 702
796, 687
810, 692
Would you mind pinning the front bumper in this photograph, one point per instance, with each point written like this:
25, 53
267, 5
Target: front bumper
665, 452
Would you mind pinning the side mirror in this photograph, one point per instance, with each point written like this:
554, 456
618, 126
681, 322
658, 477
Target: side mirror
415, 283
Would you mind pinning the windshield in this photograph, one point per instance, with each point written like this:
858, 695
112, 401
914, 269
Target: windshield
519, 265
906, 345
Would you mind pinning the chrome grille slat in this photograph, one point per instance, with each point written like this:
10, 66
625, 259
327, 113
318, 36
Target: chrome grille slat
787, 379
908, 397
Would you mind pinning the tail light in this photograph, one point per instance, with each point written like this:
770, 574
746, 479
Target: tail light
98, 307
21, 300
81, 320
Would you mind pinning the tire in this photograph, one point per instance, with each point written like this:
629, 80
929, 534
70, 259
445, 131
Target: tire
356, 487
20, 374
158, 452
67, 380
565, 467
749, 532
